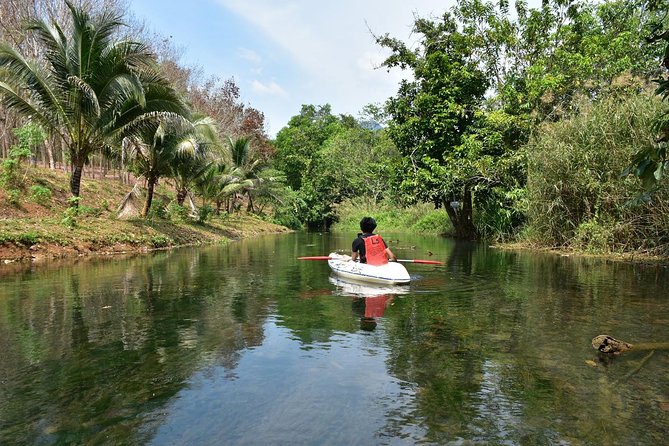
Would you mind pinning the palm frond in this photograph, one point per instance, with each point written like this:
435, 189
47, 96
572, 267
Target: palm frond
18, 71
52, 38
90, 104
121, 88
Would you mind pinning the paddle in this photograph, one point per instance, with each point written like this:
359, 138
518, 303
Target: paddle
427, 262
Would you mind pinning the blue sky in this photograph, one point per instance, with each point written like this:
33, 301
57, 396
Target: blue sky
283, 54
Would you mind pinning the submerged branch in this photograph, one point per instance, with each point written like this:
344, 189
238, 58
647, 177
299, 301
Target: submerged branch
609, 344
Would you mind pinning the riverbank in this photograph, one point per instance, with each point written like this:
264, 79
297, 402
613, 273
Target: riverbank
629, 257
37, 227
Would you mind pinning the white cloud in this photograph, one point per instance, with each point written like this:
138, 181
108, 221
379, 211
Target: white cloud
271, 88
330, 50
332, 46
249, 55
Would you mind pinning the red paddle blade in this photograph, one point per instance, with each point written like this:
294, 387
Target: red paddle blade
426, 262
314, 258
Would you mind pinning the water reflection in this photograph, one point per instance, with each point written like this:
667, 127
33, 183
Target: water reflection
369, 301
242, 344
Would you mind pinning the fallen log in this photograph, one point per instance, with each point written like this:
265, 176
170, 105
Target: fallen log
609, 344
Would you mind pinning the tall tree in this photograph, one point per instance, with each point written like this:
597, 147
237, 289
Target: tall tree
652, 164
434, 112
299, 143
90, 88
158, 147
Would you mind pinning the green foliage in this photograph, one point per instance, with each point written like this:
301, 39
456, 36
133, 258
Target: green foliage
334, 158
390, 217
158, 210
90, 87
651, 163
9, 176
70, 217
596, 235
13, 196
286, 210
204, 213
177, 212
461, 146
300, 141
40, 194
28, 238
436, 221
75, 210
161, 241
163, 145
501, 213
576, 195
29, 135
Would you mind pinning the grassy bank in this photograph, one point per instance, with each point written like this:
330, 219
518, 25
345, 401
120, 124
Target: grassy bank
38, 223
420, 218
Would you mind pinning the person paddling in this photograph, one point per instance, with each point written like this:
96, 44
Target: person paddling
369, 247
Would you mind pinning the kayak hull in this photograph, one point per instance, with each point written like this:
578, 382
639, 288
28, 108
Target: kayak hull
392, 273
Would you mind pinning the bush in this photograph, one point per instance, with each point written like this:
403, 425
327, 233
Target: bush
436, 221
160, 241
8, 176
594, 236
176, 212
40, 194
70, 214
419, 218
13, 196
204, 213
576, 194
28, 238
158, 210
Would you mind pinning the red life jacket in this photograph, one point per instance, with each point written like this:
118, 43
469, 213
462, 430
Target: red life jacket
375, 250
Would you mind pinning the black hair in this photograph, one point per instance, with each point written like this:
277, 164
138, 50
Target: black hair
367, 225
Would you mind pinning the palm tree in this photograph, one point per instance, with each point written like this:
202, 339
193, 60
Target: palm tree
158, 147
91, 89
247, 167
188, 169
221, 181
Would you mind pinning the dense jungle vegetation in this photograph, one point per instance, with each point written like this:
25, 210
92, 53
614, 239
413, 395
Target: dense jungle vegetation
542, 125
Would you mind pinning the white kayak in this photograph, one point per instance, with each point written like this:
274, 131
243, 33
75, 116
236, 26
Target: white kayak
392, 273
357, 288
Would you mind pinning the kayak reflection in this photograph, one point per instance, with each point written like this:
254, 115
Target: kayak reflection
353, 288
369, 301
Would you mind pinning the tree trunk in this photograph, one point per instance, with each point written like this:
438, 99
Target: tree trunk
250, 208
181, 196
49, 153
461, 217
75, 181
149, 196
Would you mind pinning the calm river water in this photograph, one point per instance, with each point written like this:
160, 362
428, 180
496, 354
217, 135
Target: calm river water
245, 345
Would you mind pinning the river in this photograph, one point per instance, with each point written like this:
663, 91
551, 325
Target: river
244, 344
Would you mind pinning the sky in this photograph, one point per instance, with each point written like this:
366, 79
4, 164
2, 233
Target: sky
286, 53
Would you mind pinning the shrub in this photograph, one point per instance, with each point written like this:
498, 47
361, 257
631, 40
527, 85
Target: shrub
13, 196
28, 238
436, 221
176, 212
204, 213
160, 241
40, 194
70, 214
420, 217
576, 195
158, 210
